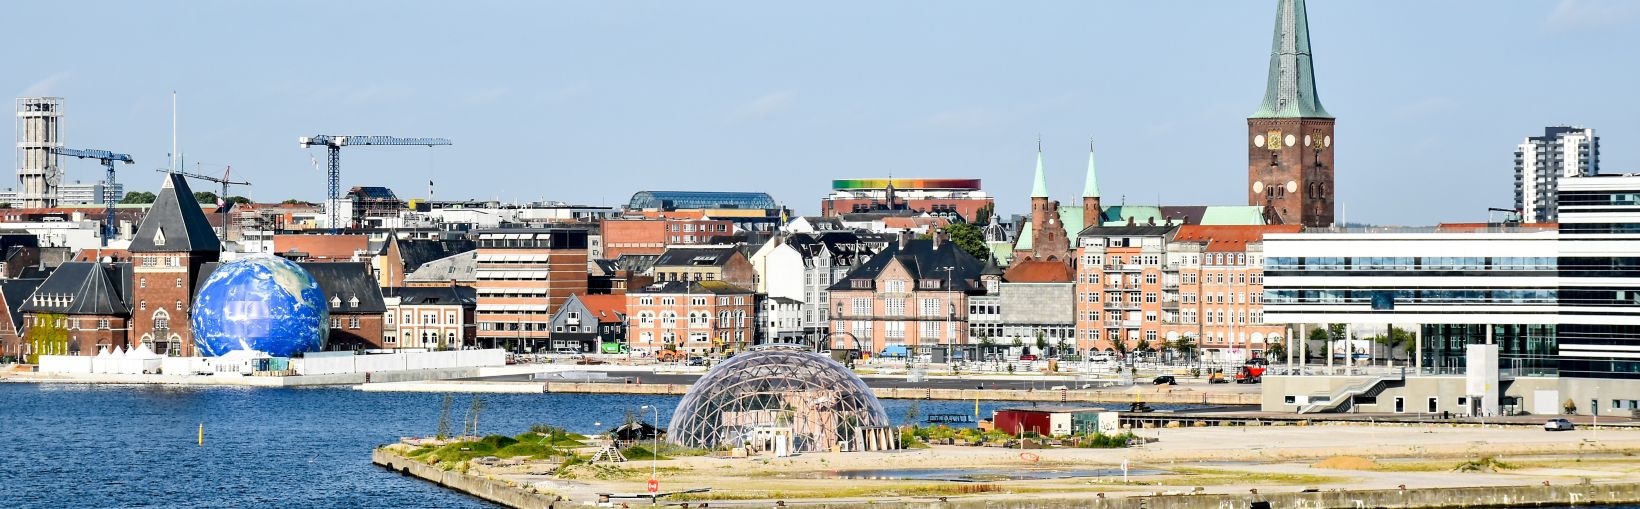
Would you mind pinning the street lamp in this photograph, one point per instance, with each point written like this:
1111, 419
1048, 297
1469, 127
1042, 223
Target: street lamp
951, 306
654, 447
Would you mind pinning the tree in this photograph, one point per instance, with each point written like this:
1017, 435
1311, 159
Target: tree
1275, 350
1185, 345
138, 197
1396, 339
205, 197
1120, 346
294, 201
238, 200
970, 238
987, 344
982, 217
1041, 343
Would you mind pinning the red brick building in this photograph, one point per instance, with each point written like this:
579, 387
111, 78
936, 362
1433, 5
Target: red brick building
940, 197
1290, 137
171, 245
83, 306
696, 317
650, 236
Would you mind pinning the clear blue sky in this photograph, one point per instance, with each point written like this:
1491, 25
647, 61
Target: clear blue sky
590, 101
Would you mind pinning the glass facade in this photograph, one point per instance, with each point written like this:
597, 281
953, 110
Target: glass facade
1523, 350
687, 200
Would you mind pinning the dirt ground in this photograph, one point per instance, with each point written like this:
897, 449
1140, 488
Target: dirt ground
1182, 460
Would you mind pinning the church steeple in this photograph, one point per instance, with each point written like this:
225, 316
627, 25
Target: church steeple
1090, 188
1092, 213
1290, 90
1040, 188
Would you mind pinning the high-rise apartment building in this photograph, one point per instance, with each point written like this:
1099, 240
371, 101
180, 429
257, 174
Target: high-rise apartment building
524, 275
1541, 161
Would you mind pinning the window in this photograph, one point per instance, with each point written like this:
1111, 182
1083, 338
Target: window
894, 330
861, 306
179, 304
930, 307
335, 323
894, 286
179, 282
142, 283
894, 307
930, 330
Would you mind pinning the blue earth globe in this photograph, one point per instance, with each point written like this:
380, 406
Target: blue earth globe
265, 304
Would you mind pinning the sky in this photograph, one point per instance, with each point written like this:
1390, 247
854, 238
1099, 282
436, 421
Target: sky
588, 102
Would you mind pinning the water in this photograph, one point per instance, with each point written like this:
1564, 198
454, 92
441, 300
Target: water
66, 445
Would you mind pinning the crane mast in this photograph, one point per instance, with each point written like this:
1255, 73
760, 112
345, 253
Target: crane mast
333, 177
107, 159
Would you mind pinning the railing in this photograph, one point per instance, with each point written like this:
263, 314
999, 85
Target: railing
1345, 399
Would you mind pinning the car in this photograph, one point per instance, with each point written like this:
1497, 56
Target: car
697, 361
1258, 361
1164, 380
1558, 425
567, 351
1027, 357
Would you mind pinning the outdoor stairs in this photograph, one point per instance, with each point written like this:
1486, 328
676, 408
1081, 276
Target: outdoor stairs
1344, 400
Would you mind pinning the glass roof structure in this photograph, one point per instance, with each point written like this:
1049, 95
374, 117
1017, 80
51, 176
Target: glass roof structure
687, 200
822, 403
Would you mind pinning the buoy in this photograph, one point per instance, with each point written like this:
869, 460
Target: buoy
201, 433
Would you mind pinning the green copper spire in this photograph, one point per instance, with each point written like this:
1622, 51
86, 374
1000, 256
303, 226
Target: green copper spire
1040, 190
1290, 92
1090, 189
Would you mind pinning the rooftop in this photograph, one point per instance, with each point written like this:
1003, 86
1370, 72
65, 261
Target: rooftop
674, 200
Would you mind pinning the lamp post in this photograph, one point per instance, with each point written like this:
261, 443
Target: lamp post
654, 448
951, 306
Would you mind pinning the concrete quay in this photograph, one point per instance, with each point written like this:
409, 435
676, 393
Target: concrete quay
1145, 394
237, 380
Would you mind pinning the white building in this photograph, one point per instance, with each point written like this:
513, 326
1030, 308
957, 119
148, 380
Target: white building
800, 267
1505, 320
1540, 163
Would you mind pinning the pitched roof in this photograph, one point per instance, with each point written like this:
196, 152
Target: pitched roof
417, 252
1039, 271
922, 261
16, 292
456, 267
175, 225
84, 288
608, 308
1229, 233
344, 281
696, 257
435, 295
712, 287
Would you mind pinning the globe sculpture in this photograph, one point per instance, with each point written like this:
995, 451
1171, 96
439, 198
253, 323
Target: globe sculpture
818, 403
264, 304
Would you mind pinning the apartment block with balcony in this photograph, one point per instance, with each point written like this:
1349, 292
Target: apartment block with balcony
1213, 290
1119, 287
523, 276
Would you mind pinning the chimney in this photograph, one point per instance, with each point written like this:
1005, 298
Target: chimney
905, 239
939, 239
1150, 221
1130, 220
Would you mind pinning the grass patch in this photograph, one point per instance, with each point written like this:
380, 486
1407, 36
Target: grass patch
493, 445
1484, 464
1212, 476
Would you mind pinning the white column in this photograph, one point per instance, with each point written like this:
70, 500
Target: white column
1488, 333
1417, 348
1349, 346
1289, 348
1303, 344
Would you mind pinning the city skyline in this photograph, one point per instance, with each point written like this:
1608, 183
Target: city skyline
808, 105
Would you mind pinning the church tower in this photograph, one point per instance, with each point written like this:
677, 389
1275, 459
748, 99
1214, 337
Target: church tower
1048, 240
1091, 212
1290, 137
169, 248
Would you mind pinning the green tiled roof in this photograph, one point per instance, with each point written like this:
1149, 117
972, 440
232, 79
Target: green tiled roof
1040, 189
1090, 186
1290, 90
1233, 215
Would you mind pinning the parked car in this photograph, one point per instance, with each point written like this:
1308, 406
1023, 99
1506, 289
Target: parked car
1164, 380
1027, 357
697, 361
1558, 425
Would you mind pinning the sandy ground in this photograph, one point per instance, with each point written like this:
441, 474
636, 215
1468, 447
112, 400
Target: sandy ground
1212, 460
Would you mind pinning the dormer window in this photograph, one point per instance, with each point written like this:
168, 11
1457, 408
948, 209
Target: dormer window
336, 302
353, 301
159, 237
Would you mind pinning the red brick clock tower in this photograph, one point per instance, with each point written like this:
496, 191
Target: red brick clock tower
172, 243
1290, 138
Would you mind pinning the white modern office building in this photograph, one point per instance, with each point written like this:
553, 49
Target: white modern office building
1505, 319
1540, 163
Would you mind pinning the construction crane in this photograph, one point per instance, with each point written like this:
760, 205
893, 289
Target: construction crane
225, 182
335, 144
108, 159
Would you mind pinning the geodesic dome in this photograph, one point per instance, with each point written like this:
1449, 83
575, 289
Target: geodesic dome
822, 403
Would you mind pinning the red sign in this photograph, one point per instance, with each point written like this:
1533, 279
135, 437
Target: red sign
654, 486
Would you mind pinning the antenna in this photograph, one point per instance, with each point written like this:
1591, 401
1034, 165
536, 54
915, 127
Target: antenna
174, 131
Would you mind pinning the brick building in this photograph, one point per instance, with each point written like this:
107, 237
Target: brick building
1213, 290
356, 307
168, 251
1119, 287
911, 296
697, 317
15, 293
941, 197
650, 236
524, 275
83, 306
1290, 137
322, 247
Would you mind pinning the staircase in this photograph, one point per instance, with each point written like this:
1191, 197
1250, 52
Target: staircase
1344, 400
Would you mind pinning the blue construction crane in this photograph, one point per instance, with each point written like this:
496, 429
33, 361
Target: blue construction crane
108, 159
335, 144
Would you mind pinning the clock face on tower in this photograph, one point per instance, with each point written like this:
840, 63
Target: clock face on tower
1272, 140
1258, 140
